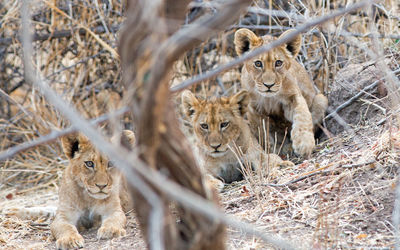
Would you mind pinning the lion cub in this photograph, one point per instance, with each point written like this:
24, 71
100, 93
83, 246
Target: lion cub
219, 126
280, 86
92, 191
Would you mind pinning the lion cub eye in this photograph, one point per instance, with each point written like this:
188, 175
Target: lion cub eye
110, 164
258, 64
224, 125
278, 63
89, 164
204, 126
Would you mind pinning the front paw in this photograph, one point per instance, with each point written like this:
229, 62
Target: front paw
109, 232
304, 143
214, 183
285, 164
73, 240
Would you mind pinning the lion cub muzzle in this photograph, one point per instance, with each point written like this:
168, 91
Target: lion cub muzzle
100, 186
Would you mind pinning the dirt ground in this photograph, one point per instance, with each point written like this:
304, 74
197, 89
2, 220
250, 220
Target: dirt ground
342, 197
345, 201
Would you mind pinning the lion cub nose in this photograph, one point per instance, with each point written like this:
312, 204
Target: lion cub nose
269, 85
215, 147
101, 186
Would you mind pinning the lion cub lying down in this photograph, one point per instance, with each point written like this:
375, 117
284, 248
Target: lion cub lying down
280, 86
92, 191
218, 125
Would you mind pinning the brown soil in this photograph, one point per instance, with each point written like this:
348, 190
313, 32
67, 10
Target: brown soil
348, 204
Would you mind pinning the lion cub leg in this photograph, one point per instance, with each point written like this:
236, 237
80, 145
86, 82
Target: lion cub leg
214, 183
318, 108
113, 222
64, 230
302, 134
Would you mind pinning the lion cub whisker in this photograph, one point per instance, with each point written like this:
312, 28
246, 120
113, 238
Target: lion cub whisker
223, 141
92, 193
280, 86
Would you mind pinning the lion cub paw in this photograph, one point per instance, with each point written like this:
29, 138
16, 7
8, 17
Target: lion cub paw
70, 241
214, 183
109, 232
285, 164
303, 145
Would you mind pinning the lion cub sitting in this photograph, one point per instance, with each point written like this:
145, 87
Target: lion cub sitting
280, 86
219, 126
92, 191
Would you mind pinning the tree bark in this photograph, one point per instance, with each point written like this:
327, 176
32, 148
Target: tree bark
150, 43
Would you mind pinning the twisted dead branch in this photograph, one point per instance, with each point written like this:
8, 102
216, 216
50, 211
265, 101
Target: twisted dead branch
147, 75
54, 135
148, 48
125, 159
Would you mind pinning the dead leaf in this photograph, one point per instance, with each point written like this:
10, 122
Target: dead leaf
244, 191
361, 236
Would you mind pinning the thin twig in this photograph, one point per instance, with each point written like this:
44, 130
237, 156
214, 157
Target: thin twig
114, 153
340, 33
359, 164
58, 34
76, 64
299, 179
357, 96
53, 135
263, 49
320, 172
129, 161
396, 215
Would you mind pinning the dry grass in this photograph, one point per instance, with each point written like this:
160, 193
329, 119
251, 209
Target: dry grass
340, 206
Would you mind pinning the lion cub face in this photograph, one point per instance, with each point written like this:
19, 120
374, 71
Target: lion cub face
268, 70
216, 122
91, 170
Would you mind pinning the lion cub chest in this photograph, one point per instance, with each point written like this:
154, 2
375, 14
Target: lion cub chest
88, 218
267, 105
229, 170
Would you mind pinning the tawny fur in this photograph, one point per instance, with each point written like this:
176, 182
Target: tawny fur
218, 125
280, 86
89, 195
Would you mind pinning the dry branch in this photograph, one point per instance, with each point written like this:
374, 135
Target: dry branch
299, 29
54, 135
356, 97
147, 54
125, 159
58, 34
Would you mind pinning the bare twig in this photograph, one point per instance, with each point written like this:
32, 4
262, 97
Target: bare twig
127, 161
298, 179
396, 215
339, 33
53, 135
325, 172
302, 28
82, 124
356, 97
359, 164
58, 34
89, 31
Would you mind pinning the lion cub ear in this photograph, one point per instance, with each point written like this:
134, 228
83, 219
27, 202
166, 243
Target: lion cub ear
128, 138
244, 40
294, 45
240, 101
189, 101
72, 143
